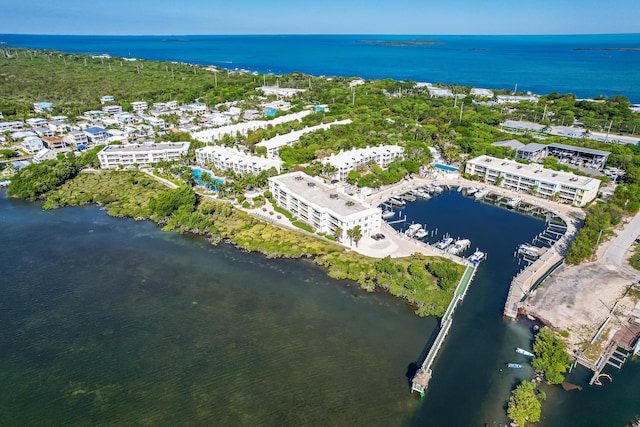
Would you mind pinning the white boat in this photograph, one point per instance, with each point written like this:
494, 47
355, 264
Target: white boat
529, 250
437, 189
388, 214
476, 257
513, 203
481, 194
471, 191
412, 230
444, 243
408, 197
396, 202
459, 246
524, 352
421, 234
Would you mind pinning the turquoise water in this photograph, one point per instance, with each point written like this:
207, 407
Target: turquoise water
541, 64
446, 168
108, 321
197, 173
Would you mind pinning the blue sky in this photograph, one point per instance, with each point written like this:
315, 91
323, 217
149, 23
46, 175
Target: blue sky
139, 17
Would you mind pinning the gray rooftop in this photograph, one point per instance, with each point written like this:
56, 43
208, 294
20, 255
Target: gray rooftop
511, 143
145, 147
532, 147
321, 194
580, 149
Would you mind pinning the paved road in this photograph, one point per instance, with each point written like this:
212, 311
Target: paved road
614, 255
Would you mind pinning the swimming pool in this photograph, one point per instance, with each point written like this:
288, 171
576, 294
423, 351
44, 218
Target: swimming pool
197, 173
445, 168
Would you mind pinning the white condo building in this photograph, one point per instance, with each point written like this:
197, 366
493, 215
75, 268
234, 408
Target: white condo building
567, 187
322, 206
274, 144
346, 161
113, 156
224, 158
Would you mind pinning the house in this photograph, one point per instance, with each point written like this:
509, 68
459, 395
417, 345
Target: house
357, 82
53, 142
112, 110
224, 158
43, 132
42, 107
93, 114
156, 122
76, 137
32, 144
346, 161
545, 183
131, 155
59, 126
283, 92
322, 206
439, 92
251, 114
44, 154
36, 122
105, 99
481, 93
139, 107
11, 126
513, 99
96, 135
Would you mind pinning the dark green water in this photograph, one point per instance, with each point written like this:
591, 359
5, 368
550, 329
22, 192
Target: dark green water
109, 321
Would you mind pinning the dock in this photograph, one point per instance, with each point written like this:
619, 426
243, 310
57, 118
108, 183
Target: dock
422, 377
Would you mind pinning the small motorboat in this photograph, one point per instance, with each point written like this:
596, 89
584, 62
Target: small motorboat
514, 365
524, 352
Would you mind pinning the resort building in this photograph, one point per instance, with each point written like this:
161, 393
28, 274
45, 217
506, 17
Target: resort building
224, 158
274, 144
346, 161
513, 144
36, 122
114, 156
53, 142
516, 126
532, 152
105, 99
548, 184
212, 135
322, 206
10, 126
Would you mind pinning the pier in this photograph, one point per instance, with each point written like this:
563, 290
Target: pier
557, 236
423, 375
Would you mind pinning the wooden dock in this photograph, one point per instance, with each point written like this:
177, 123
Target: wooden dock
423, 375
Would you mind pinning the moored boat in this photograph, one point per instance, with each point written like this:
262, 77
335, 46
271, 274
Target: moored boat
514, 365
480, 194
476, 257
388, 214
444, 243
421, 234
524, 352
412, 230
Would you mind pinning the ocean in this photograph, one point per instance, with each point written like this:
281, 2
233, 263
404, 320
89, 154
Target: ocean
585, 65
112, 322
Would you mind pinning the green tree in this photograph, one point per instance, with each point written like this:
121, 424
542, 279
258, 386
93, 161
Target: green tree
357, 234
551, 355
524, 404
181, 198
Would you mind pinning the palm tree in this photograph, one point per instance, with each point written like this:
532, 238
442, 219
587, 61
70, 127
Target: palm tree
338, 233
357, 234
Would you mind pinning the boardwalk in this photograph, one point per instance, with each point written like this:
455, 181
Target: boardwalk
423, 376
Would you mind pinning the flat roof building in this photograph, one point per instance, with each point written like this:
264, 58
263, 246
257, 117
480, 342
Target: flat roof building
565, 187
510, 143
42, 107
322, 206
114, 156
274, 144
346, 161
224, 158
532, 152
